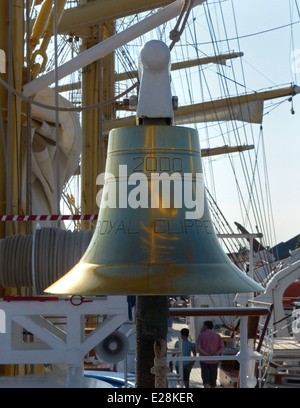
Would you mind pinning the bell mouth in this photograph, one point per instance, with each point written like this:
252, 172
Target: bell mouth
157, 279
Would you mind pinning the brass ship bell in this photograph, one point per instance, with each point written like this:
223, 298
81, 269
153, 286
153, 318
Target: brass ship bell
154, 234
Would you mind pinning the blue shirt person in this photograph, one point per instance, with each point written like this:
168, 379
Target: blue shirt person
188, 348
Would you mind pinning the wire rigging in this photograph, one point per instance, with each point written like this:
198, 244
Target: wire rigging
252, 34
249, 177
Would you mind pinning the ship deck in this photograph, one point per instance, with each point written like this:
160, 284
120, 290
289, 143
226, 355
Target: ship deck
286, 348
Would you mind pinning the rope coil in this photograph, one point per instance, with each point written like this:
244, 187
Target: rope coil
38, 261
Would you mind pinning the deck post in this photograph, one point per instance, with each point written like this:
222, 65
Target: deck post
243, 355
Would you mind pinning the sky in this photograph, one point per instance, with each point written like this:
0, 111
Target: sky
271, 54
268, 60
269, 36
281, 128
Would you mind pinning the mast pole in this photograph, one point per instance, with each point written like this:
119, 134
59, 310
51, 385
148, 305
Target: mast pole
97, 85
3, 107
11, 42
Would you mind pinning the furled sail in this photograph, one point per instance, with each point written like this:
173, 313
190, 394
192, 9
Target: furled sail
251, 112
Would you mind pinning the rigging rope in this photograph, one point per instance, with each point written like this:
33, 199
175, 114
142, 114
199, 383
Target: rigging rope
252, 34
175, 34
249, 180
50, 107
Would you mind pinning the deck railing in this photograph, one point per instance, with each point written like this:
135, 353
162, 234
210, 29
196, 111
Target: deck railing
246, 355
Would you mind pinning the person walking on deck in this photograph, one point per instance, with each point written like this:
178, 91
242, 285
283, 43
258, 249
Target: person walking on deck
209, 343
188, 347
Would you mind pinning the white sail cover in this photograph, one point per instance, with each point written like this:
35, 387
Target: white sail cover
251, 112
44, 152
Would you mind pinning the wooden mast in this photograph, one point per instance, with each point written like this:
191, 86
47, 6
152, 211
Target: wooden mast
97, 86
3, 101
11, 42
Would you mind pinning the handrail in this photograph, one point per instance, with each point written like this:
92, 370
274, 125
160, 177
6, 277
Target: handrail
220, 311
245, 355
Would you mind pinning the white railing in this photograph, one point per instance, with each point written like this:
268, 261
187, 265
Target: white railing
53, 344
246, 355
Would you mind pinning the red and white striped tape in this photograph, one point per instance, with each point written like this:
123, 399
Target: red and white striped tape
73, 217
